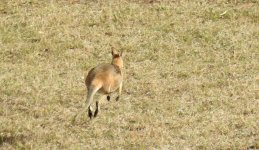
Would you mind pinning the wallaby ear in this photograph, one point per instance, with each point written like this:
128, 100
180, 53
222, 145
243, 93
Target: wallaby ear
113, 51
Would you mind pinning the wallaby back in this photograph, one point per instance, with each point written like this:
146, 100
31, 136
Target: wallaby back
106, 76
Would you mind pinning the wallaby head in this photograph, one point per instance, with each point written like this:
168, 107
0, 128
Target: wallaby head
117, 59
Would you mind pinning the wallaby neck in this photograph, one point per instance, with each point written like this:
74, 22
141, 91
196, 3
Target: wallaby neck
119, 66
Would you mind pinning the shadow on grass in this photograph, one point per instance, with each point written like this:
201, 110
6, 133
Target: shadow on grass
11, 139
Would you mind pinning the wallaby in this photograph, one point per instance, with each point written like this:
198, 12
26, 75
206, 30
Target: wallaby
104, 79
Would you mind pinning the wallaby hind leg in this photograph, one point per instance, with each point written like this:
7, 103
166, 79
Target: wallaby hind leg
97, 109
89, 100
90, 112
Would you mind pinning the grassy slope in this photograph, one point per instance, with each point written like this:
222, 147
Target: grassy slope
190, 74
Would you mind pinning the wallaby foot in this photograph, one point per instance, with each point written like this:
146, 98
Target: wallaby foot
108, 98
97, 109
90, 114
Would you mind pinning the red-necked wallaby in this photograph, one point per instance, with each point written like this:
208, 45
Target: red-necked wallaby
104, 79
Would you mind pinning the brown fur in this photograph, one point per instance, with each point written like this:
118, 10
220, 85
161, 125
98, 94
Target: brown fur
105, 79
106, 76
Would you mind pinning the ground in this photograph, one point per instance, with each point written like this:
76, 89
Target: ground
191, 74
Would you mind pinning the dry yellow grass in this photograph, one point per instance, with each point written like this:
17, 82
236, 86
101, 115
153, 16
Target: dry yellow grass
190, 66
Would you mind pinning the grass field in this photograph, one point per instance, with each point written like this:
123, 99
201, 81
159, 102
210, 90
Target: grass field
191, 74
